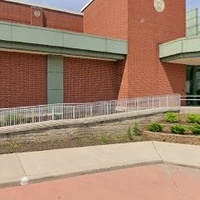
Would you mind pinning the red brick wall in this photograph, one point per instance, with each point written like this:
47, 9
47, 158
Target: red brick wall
144, 74
19, 13
90, 80
107, 18
64, 21
23, 79
13, 12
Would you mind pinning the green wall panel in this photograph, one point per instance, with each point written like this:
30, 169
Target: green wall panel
55, 79
30, 38
56, 96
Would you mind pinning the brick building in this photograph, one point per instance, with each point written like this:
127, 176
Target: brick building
109, 51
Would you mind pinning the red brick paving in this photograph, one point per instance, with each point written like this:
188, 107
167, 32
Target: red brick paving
156, 182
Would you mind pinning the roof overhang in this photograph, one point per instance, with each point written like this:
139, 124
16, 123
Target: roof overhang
86, 5
24, 38
181, 51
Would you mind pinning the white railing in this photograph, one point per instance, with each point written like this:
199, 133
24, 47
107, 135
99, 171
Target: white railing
190, 100
34, 114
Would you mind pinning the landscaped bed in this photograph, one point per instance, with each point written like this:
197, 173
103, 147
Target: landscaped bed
171, 127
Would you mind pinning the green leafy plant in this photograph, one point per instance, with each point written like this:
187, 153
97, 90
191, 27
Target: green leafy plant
193, 118
172, 117
13, 120
14, 145
178, 129
195, 129
129, 134
155, 127
57, 117
136, 129
103, 138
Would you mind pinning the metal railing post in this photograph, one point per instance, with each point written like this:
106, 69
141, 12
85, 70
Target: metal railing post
137, 104
167, 101
52, 112
91, 110
10, 120
107, 111
73, 112
62, 113
39, 114
159, 102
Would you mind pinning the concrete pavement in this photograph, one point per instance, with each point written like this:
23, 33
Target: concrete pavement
44, 165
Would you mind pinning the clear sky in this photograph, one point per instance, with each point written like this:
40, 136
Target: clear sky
76, 5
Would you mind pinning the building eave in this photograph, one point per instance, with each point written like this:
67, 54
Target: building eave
87, 5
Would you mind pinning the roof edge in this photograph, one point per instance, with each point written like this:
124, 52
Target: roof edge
45, 7
86, 5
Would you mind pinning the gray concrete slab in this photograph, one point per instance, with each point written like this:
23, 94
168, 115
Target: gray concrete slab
126, 154
179, 154
11, 170
44, 164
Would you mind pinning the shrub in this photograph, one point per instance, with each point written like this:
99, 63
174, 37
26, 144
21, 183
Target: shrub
193, 118
129, 134
172, 117
155, 127
13, 120
178, 129
103, 138
136, 129
195, 129
15, 145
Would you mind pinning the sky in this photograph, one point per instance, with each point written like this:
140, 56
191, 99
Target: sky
76, 5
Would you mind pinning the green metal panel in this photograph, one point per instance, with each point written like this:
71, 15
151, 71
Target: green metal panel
170, 48
58, 50
183, 45
30, 38
191, 45
36, 36
84, 42
55, 79
180, 56
55, 96
192, 23
55, 64
6, 32
187, 48
191, 14
116, 46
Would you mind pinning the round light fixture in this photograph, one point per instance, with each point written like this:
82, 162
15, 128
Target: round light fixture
159, 5
37, 13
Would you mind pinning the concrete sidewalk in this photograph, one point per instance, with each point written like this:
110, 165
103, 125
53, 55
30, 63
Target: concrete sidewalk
44, 165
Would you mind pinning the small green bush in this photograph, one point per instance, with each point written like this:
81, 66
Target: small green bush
129, 134
155, 127
193, 118
103, 138
13, 120
15, 145
195, 129
178, 129
136, 129
172, 117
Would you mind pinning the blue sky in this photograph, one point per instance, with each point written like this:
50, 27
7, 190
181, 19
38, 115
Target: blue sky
76, 5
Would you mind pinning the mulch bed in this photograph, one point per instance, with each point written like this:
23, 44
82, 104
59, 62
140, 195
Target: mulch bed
58, 139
